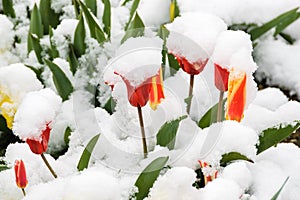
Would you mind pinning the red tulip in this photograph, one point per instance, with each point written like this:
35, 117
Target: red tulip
236, 98
191, 68
39, 146
221, 78
137, 96
157, 90
20, 173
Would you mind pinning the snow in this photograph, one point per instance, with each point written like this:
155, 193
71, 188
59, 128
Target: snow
188, 39
137, 59
6, 33
36, 111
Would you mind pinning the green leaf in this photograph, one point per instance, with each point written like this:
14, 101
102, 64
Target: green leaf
93, 25
232, 156
38, 72
8, 8
274, 135
110, 106
3, 167
79, 37
166, 135
53, 51
67, 134
286, 22
92, 5
210, 116
106, 19
76, 8
35, 42
125, 2
49, 17
72, 59
279, 191
134, 6
173, 63
86, 155
36, 26
61, 82
281, 19
135, 29
148, 176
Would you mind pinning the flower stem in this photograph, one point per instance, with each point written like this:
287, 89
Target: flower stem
190, 94
24, 193
142, 131
48, 165
219, 116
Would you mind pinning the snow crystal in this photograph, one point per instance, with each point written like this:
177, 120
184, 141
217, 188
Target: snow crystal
193, 35
36, 111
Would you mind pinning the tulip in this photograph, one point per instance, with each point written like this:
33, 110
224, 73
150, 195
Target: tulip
157, 90
20, 173
39, 146
236, 99
207, 178
221, 83
138, 97
8, 109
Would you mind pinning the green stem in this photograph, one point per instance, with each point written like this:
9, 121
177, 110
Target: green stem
24, 193
190, 93
48, 165
143, 131
220, 107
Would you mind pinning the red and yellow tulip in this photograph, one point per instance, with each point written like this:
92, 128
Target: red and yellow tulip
236, 99
157, 90
207, 178
191, 68
20, 173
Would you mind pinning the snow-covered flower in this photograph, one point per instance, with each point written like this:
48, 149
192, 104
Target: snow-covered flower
221, 78
209, 173
157, 90
192, 39
20, 173
33, 118
15, 81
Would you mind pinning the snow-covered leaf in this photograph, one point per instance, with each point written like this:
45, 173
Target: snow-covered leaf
135, 29
72, 59
110, 105
8, 8
86, 155
67, 134
36, 26
35, 41
49, 17
62, 83
134, 6
106, 19
232, 156
279, 191
38, 72
282, 21
92, 5
286, 22
174, 10
210, 116
93, 25
174, 66
148, 176
274, 135
166, 135
79, 37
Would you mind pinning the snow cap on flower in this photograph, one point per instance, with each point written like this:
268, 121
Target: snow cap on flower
193, 35
35, 114
15, 81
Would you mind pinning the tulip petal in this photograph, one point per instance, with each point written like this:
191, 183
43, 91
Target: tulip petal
8, 109
221, 78
236, 99
41, 145
191, 68
157, 90
20, 172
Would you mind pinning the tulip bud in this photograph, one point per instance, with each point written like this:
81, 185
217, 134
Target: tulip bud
20, 173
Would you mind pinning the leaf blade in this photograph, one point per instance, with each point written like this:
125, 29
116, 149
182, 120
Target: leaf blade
135, 29
232, 156
87, 152
79, 37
